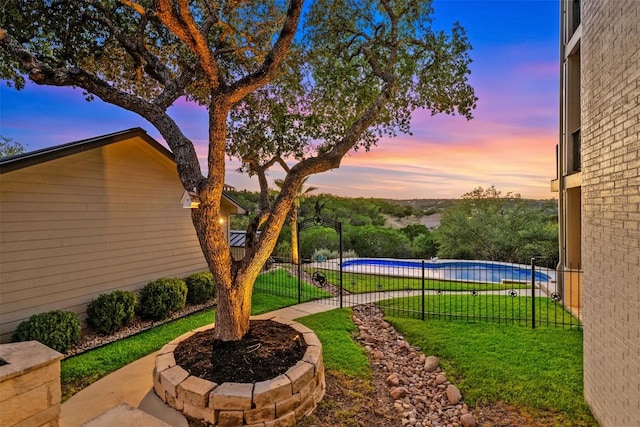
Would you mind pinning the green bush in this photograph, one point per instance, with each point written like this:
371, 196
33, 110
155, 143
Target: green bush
56, 329
201, 287
109, 312
161, 297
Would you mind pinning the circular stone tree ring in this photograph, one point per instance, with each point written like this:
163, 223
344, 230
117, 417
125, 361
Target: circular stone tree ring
281, 401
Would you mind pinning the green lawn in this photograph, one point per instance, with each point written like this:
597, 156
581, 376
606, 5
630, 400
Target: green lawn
538, 370
280, 285
504, 308
361, 283
340, 352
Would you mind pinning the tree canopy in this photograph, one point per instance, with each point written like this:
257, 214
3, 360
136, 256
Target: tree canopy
278, 89
10, 147
487, 225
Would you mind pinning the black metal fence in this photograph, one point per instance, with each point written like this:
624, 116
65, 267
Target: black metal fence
474, 291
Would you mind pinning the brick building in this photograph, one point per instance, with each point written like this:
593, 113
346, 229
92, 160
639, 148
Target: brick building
599, 195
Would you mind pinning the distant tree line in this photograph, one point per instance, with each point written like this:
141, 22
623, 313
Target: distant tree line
483, 225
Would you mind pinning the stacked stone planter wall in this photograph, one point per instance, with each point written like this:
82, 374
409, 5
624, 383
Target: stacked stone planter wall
29, 385
280, 401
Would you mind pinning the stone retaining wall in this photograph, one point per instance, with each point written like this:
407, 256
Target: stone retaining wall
278, 402
29, 385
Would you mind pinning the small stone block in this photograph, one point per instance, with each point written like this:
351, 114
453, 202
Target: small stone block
311, 339
307, 390
230, 418
195, 391
173, 401
255, 425
157, 388
266, 392
301, 328
318, 393
320, 375
168, 348
300, 375
182, 337
259, 415
171, 378
283, 320
287, 420
313, 355
288, 405
231, 397
306, 407
192, 411
165, 361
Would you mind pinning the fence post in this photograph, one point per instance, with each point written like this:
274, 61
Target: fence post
299, 279
533, 293
422, 289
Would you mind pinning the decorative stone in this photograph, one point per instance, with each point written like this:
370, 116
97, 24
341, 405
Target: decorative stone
171, 378
398, 392
258, 415
267, 392
468, 420
431, 363
311, 339
230, 418
231, 396
195, 391
393, 380
285, 406
441, 379
300, 375
453, 394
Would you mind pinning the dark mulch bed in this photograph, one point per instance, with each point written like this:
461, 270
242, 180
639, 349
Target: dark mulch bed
266, 351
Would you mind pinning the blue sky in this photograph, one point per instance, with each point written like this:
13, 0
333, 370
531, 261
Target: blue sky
510, 143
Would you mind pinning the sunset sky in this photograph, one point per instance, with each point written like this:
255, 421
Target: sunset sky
510, 143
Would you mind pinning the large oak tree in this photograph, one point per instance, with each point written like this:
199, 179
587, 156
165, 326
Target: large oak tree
342, 76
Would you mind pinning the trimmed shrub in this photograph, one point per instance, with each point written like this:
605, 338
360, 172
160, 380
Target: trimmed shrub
161, 297
200, 287
57, 329
109, 312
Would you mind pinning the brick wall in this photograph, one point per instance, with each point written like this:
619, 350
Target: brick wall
610, 82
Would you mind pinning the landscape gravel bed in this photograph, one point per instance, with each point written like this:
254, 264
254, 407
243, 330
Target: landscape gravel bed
422, 394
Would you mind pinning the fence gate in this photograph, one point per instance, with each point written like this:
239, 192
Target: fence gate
318, 277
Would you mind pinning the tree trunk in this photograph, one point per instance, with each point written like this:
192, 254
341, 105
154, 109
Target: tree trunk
233, 310
295, 256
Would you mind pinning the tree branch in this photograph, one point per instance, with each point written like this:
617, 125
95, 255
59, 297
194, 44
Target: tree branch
272, 62
184, 27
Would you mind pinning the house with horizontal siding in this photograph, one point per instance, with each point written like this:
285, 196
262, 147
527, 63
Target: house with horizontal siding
89, 217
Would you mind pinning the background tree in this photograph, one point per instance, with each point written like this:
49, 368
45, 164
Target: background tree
362, 67
486, 225
10, 147
301, 194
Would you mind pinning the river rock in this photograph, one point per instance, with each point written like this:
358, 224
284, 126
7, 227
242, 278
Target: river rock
453, 394
398, 392
467, 420
431, 363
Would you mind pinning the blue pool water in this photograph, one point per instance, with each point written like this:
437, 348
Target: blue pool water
473, 271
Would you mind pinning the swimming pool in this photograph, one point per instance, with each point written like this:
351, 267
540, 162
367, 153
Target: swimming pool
458, 270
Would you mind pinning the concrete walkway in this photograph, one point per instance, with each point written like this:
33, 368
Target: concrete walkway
111, 399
